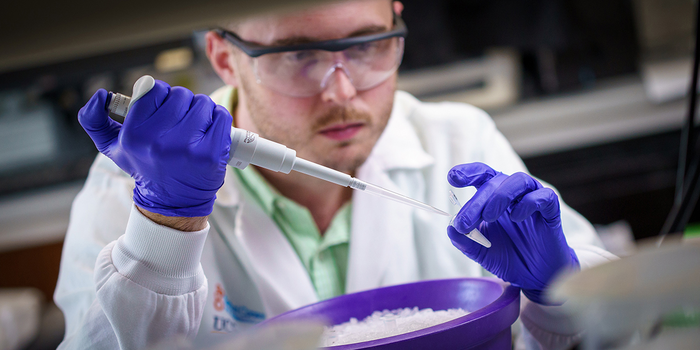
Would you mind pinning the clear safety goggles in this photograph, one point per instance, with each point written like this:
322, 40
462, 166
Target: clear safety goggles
305, 70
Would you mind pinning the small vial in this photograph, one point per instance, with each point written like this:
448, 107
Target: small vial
475, 235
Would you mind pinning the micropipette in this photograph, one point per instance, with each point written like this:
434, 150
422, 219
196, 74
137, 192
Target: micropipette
249, 148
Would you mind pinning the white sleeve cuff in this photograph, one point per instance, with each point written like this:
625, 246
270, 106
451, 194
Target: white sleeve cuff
162, 259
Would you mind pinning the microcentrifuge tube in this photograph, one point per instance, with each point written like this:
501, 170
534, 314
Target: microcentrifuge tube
475, 235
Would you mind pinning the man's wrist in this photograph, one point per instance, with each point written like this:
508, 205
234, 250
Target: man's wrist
186, 224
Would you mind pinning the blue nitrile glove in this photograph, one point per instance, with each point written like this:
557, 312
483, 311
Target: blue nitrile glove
173, 143
523, 222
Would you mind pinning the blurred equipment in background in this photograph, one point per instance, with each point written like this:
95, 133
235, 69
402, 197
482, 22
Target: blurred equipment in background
41, 143
491, 81
87, 28
26, 322
688, 173
563, 45
648, 298
664, 31
20, 311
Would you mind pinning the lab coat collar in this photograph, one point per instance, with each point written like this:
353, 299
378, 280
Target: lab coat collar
279, 274
382, 247
229, 195
400, 147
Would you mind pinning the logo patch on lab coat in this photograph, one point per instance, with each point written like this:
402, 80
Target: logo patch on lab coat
239, 313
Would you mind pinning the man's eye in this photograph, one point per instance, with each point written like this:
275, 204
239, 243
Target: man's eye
300, 55
366, 46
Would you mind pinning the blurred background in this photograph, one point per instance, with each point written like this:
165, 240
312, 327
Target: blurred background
591, 94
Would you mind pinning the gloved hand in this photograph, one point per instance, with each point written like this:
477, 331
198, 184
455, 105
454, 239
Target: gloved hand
173, 143
521, 219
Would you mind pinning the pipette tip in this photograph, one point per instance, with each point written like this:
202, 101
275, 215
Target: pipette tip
438, 211
369, 188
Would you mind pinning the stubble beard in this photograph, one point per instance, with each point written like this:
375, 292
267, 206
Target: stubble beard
299, 140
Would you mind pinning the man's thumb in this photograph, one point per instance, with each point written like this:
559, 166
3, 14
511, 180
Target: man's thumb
94, 118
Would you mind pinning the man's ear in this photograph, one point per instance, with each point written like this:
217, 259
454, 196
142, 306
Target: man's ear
221, 58
398, 7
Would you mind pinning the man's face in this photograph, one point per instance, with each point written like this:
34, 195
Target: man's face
337, 127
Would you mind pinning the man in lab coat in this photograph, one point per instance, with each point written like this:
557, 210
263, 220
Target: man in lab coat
150, 255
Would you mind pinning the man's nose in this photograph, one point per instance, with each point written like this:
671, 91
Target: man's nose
339, 88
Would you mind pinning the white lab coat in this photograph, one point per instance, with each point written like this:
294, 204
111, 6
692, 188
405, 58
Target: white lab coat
131, 285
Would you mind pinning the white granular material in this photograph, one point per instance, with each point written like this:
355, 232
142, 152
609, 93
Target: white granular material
383, 324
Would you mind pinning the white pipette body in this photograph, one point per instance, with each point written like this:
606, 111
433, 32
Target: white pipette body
249, 148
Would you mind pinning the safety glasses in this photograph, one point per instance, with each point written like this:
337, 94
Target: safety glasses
306, 69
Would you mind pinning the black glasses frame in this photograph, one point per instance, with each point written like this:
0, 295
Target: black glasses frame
254, 50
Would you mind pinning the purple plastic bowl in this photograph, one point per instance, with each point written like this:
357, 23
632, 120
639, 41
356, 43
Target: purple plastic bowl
494, 306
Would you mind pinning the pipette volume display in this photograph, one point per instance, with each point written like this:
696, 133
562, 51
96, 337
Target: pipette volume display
249, 148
